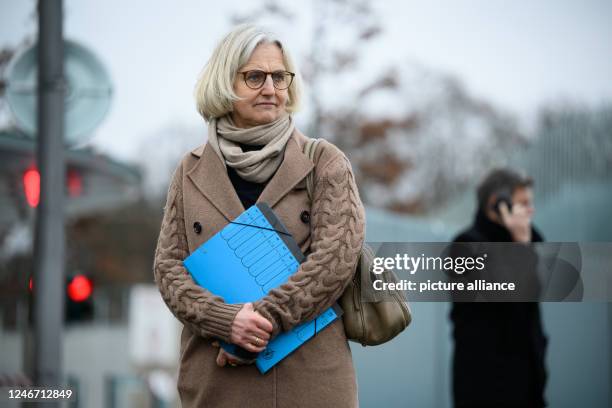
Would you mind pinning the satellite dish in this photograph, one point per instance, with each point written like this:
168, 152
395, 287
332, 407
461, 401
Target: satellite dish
87, 98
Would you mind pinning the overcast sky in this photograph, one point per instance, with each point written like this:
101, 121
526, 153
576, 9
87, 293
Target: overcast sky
516, 54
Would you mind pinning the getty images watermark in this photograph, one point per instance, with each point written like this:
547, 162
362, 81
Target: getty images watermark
493, 272
413, 264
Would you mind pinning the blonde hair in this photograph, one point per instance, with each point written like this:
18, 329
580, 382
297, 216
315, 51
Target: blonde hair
214, 91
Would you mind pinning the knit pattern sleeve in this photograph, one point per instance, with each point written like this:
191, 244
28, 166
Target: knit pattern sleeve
338, 232
202, 312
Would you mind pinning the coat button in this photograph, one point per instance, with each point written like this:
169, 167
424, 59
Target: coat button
305, 217
197, 227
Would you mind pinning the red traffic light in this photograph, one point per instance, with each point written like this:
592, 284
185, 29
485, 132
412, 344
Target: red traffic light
75, 183
31, 186
79, 288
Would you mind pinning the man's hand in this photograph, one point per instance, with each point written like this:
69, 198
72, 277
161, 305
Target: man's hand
250, 330
518, 222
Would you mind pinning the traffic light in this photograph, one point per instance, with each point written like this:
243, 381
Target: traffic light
79, 302
74, 183
31, 185
78, 298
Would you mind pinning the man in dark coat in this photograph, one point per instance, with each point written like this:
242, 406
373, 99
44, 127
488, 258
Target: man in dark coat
499, 350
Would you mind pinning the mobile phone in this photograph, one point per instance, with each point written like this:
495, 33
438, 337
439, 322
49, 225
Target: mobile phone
502, 196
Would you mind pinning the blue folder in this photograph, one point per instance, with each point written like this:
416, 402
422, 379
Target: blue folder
244, 261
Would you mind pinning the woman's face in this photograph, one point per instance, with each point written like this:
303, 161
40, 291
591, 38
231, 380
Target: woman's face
266, 104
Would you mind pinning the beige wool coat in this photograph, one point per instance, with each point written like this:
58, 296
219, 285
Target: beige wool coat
201, 201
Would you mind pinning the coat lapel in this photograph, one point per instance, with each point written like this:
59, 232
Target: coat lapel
218, 189
293, 169
211, 179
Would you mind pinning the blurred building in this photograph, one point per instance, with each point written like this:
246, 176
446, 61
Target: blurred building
108, 246
94, 182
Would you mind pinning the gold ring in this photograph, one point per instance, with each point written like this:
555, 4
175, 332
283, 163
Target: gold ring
233, 364
257, 341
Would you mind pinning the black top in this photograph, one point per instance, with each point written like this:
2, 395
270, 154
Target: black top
247, 191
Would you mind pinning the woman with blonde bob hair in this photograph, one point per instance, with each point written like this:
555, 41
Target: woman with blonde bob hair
247, 93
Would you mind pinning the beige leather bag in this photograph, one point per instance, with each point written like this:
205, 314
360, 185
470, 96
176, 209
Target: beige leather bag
377, 319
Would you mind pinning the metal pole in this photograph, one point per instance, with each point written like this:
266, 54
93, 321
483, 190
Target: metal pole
49, 240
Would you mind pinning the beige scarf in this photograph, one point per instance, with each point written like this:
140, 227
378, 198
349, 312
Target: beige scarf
257, 165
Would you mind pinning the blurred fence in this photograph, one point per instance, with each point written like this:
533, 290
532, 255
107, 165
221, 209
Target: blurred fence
571, 163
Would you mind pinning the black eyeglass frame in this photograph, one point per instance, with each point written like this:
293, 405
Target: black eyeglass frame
245, 73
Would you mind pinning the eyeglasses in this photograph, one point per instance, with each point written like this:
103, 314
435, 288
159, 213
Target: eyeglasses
280, 79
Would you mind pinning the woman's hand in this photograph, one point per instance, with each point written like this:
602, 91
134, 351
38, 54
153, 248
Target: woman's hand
250, 330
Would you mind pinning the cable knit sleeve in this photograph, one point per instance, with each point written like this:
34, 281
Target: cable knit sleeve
202, 312
338, 231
